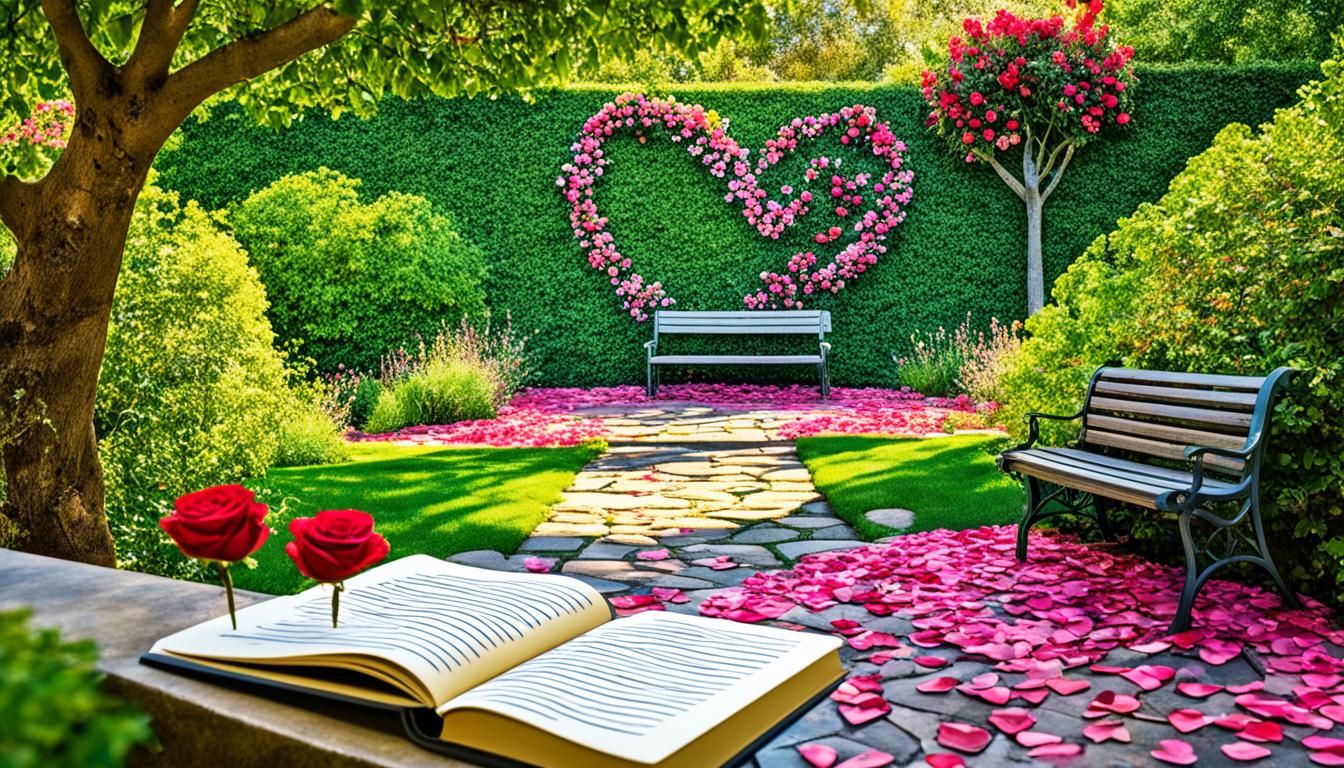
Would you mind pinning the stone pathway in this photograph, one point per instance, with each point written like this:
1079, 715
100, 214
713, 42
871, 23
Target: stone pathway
689, 497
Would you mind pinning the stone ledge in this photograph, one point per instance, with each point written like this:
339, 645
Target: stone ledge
198, 723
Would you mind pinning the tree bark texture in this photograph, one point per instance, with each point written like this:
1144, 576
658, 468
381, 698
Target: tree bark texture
1034, 201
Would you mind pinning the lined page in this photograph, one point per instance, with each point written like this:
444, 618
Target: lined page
645, 686
450, 626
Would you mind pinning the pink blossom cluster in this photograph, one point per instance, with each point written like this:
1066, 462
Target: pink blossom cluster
48, 126
1002, 70
1060, 614
706, 138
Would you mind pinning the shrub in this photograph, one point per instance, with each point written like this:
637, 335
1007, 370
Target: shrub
962, 361
353, 279
986, 360
52, 711
1238, 269
310, 434
192, 392
933, 364
466, 373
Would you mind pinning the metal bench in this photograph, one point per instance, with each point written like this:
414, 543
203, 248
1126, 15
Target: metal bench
792, 322
1180, 443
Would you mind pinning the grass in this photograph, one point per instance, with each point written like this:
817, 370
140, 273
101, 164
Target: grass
948, 482
437, 501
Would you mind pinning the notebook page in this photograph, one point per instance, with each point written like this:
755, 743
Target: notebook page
643, 687
450, 626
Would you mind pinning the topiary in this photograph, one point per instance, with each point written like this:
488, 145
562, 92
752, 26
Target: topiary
352, 279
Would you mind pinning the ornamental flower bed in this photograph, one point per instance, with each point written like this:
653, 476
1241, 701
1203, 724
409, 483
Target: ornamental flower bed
570, 416
825, 187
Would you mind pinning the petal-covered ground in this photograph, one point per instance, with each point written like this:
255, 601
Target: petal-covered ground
1064, 657
568, 416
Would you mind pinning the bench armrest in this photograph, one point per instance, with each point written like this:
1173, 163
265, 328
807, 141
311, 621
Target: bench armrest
825, 347
1033, 420
651, 345
1197, 452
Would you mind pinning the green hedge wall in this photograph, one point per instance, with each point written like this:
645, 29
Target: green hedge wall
493, 165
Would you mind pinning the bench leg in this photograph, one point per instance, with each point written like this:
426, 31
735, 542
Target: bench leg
651, 387
1103, 508
1182, 621
825, 380
1289, 596
1024, 527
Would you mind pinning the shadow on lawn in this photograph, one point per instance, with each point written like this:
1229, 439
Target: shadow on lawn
437, 501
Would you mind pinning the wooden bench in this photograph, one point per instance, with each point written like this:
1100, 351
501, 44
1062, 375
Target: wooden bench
1180, 443
794, 322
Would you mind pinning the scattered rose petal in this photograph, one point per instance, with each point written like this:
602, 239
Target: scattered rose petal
1241, 750
873, 758
963, 737
1107, 730
1188, 720
1261, 731
652, 554
944, 760
1012, 720
818, 755
1176, 752
937, 685
1056, 750
538, 564
1068, 686
932, 662
1037, 738
1198, 690
670, 595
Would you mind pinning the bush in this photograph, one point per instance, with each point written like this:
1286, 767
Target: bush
962, 361
192, 393
961, 249
351, 279
308, 435
467, 373
933, 364
1238, 269
52, 711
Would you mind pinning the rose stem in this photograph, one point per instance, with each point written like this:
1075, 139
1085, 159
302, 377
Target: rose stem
336, 601
224, 576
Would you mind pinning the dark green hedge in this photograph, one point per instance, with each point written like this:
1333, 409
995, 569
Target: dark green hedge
493, 165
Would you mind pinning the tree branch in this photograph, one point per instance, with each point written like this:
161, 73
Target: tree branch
1007, 177
85, 65
160, 34
1059, 174
242, 60
14, 194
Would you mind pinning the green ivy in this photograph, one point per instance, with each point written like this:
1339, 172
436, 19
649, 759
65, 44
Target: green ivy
492, 165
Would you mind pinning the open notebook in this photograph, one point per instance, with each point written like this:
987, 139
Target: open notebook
529, 668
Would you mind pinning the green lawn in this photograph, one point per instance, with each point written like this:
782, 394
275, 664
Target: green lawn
437, 501
948, 482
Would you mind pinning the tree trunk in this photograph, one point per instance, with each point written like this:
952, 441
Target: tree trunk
1035, 269
54, 310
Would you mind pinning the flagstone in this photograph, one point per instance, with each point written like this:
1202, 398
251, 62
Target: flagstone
604, 550
891, 517
764, 534
751, 554
638, 540
612, 570
797, 474
766, 499
618, 501
570, 529
794, 521
796, 549
742, 513
840, 531
551, 544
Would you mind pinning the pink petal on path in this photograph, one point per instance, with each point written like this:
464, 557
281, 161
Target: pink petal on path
963, 737
1187, 720
652, 554
1241, 750
1198, 690
1056, 750
937, 685
944, 760
1067, 686
1012, 720
1261, 731
1037, 738
1107, 730
873, 758
1176, 752
818, 755
538, 564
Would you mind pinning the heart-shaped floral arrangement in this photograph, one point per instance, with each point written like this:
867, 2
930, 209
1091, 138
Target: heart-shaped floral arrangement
868, 204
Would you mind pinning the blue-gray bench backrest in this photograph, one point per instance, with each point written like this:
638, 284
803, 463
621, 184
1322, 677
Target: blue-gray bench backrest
793, 321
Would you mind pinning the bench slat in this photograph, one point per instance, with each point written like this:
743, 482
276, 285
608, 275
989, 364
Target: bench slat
680, 321
1212, 398
1246, 383
1062, 473
1172, 412
736, 360
1168, 432
740, 330
1166, 475
1159, 449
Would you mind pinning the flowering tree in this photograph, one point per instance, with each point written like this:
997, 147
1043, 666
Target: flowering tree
1035, 87
134, 70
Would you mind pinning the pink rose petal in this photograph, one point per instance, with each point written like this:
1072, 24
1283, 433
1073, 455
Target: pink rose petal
818, 755
873, 758
1012, 720
1037, 738
937, 685
963, 737
538, 564
1176, 752
1107, 730
931, 662
1241, 750
1068, 686
944, 760
1198, 690
1261, 731
652, 554
1188, 720
1056, 750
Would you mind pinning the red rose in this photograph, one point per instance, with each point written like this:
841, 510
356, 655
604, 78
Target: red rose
335, 544
224, 523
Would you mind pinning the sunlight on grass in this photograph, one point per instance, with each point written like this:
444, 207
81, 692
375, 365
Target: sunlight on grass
948, 482
434, 500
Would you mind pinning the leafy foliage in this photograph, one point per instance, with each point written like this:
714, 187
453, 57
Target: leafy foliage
409, 48
1229, 31
351, 280
52, 711
192, 392
1237, 269
957, 252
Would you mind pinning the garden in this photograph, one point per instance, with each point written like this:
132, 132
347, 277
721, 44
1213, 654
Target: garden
992, 354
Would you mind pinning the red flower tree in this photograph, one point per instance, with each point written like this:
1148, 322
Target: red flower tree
1034, 87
